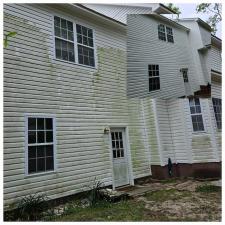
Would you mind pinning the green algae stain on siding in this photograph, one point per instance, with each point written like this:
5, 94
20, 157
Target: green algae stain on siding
152, 136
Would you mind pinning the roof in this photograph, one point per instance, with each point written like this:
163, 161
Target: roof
216, 41
155, 15
198, 20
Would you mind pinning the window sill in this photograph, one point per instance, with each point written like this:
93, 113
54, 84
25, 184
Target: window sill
199, 132
40, 174
74, 63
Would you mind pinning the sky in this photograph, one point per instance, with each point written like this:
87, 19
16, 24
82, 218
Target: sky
189, 10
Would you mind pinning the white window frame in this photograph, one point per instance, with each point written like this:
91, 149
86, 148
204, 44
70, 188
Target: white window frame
36, 144
152, 77
75, 42
197, 114
185, 79
94, 49
165, 32
219, 129
171, 35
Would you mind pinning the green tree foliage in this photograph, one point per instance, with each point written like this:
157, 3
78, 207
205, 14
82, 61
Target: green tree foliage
215, 9
7, 36
174, 8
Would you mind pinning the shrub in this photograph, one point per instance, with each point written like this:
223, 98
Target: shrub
31, 207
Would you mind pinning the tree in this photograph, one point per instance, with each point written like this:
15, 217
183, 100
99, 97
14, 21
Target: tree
174, 8
215, 9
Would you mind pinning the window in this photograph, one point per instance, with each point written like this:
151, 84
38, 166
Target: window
169, 33
185, 75
40, 144
64, 39
165, 33
85, 45
117, 144
154, 83
217, 106
196, 115
161, 32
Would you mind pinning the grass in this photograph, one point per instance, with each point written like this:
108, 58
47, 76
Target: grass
208, 188
121, 211
165, 195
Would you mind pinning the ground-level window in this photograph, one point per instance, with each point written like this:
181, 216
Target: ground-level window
154, 81
217, 106
40, 144
196, 114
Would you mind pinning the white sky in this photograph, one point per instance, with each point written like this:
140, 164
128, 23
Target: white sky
189, 11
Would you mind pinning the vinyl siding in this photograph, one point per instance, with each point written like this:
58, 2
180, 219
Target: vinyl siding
216, 59
144, 48
84, 101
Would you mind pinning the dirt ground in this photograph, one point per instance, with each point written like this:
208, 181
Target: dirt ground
181, 200
168, 200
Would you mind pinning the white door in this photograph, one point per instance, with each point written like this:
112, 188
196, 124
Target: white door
119, 157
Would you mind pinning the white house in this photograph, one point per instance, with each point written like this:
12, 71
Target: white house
68, 117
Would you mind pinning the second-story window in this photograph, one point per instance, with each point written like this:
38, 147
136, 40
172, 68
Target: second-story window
161, 32
154, 82
169, 33
196, 114
217, 106
64, 39
185, 75
85, 46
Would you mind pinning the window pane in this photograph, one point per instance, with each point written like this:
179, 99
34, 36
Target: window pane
64, 33
49, 150
81, 59
90, 33
57, 21
57, 32
40, 136
63, 23
64, 55
48, 123
49, 136
41, 151
40, 124
49, 163
31, 137
84, 31
70, 35
122, 153
70, 25
114, 153
40, 164
31, 123
85, 42
78, 29
32, 152
31, 165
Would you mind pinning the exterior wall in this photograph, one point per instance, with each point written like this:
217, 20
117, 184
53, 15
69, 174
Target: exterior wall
84, 101
216, 59
145, 48
197, 37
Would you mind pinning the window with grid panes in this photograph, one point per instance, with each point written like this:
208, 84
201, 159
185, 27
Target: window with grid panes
85, 45
40, 141
217, 107
169, 33
154, 81
185, 75
161, 32
64, 39
117, 145
196, 114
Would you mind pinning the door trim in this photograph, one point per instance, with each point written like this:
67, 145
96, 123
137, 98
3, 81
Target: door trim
128, 153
